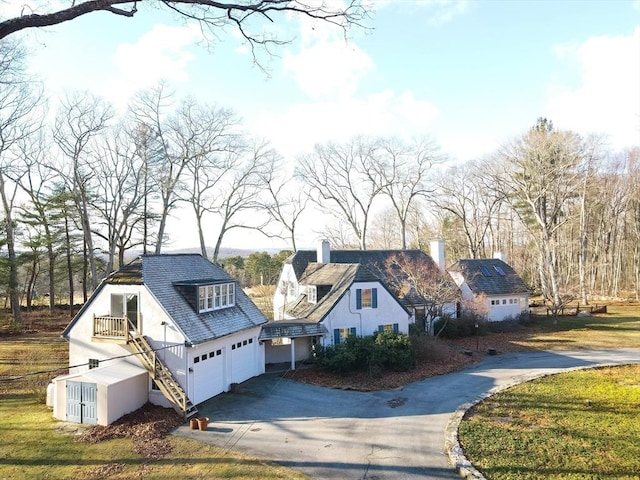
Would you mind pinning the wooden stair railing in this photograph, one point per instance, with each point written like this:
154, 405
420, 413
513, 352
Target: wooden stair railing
163, 377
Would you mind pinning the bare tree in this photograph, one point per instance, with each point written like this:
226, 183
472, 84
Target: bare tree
207, 141
633, 180
417, 279
37, 183
149, 112
240, 191
591, 157
81, 118
247, 17
538, 175
18, 102
284, 201
119, 195
344, 181
464, 194
404, 170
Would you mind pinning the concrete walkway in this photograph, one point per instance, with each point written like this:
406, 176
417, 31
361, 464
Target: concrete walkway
392, 434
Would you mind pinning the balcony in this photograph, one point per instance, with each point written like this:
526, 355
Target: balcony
111, 329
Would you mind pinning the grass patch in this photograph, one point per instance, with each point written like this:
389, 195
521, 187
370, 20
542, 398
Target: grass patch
577, 425
34, 447
620, 328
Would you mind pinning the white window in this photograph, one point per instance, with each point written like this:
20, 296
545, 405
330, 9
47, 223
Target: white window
214, 297
312, 294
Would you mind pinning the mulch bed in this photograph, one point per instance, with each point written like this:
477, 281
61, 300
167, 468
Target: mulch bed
147, 427
448, 358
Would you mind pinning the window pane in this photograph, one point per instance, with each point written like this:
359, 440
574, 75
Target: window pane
223, 294
232, 294
131, 304
117, 306
210, 297
202, 293
217, 296
366, 298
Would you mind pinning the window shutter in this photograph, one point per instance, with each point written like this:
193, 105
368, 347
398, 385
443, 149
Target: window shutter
358, 299
374, 298
396, 328
336, 336
381, 328
352, 331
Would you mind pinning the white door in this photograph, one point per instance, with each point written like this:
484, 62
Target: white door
82, 400
243, 356
208, 375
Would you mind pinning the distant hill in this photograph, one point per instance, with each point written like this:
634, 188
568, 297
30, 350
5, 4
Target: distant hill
225, 252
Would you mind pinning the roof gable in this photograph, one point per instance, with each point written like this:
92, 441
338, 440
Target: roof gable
173, 281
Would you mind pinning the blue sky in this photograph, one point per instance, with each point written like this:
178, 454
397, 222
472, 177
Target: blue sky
469, 74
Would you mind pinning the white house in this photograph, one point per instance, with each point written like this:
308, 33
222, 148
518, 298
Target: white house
325, 295
491, 287
174, 330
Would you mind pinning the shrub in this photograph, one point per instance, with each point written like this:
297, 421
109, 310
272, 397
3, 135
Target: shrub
396, 351
464, 326
374, 354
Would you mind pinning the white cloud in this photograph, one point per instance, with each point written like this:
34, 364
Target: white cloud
299, 128
158, 54
608, 97
329, 68
441, 11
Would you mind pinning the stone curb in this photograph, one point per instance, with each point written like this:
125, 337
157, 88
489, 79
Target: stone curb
456, 455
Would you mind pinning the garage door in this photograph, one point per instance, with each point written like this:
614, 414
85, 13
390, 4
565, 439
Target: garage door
243, 360
82, 402
208, 375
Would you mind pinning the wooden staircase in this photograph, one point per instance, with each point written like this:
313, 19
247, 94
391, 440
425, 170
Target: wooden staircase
163, 377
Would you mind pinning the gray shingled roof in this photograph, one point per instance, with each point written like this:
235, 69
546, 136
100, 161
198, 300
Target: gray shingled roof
291, 329
173, 280
161, 273
339, 276
494, 283
375, 262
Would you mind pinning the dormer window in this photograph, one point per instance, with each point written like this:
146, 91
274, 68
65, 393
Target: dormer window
312, 294
216, 297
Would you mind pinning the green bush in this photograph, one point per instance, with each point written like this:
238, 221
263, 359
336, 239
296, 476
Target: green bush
373, 354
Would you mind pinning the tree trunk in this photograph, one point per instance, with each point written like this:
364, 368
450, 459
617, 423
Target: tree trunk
68, 252
14, 296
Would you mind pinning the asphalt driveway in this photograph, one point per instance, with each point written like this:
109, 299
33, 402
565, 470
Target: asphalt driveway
392, 434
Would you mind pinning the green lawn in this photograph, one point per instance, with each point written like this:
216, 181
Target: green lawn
577, 425
32, 447
619, 328
542, 446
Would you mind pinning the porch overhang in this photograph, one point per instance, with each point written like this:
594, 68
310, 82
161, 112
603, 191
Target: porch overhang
291, 329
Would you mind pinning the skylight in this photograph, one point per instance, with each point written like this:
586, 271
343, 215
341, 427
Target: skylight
499, 269
485, 271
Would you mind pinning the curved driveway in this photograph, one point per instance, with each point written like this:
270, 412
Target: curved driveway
391, 434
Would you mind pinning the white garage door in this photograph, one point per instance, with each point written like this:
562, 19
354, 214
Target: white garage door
208, 375
243, 360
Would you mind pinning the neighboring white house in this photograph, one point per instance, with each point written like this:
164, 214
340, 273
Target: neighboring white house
325, 295
491, 287
174, 330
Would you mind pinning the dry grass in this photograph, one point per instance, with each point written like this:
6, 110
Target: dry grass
35, 446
